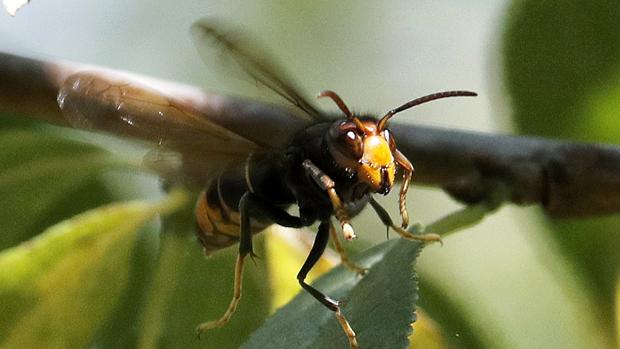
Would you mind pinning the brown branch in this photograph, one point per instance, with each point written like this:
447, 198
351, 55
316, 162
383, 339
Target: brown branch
28, 87
568, 179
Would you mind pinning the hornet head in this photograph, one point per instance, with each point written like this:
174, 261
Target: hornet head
366, 147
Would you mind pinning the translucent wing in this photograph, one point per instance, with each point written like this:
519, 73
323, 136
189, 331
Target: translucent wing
241, 60
187, 144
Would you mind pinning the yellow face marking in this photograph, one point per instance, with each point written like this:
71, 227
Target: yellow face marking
373, 176
377, 159
377, 152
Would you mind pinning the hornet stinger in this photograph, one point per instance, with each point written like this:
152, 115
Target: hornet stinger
328, 166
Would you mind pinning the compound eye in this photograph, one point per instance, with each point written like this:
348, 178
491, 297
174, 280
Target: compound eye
351, 144
388, 137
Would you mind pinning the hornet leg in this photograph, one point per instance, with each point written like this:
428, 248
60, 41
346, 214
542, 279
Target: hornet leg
387, 220
407, 167
344, 258
248, 205
327, 184
320, 243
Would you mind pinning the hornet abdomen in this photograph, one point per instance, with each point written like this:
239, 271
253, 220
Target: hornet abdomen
217, 209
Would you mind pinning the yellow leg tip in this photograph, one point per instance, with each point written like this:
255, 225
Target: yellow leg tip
361, 271
351, 336
204, 327
200, 330
210, 325
427, 238
430, 238
348, 232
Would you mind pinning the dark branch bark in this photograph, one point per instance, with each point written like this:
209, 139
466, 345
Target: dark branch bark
29, 87
567, 179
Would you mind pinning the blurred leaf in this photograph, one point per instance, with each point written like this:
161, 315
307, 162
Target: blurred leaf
121, 329
379, 306
57, 289
427, 333
557, 55
38, 174
189, 289
456, 327
562, 69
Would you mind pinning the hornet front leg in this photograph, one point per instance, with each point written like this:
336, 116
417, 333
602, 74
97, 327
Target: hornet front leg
407, 167
384, 216
327, 184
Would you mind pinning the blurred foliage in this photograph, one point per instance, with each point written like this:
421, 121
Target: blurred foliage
123, 294
78, 266
45, 179
562, 69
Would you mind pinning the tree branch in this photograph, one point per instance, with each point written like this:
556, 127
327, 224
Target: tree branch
568, 179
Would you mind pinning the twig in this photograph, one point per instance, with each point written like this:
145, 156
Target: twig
568, 179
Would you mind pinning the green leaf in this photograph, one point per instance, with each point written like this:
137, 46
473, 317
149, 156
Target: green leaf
557, 55
58, 288
189, 289
453, 318
38, 173
379, 306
